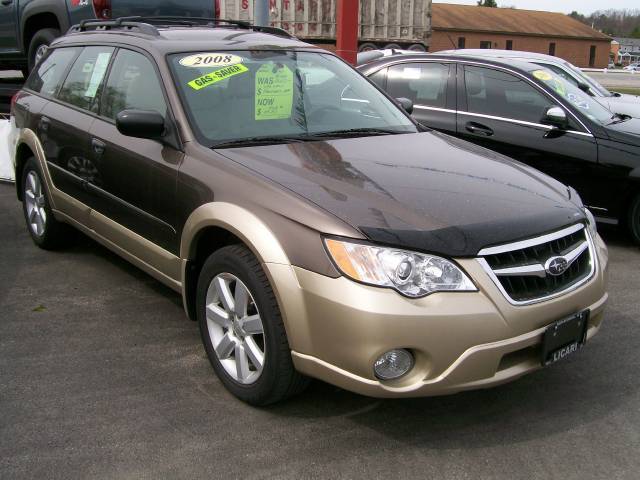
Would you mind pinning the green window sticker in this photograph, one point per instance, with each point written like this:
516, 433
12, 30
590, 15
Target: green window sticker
99, 70
274, 92
216, 76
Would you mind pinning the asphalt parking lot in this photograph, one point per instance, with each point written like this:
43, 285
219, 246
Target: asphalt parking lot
102, 376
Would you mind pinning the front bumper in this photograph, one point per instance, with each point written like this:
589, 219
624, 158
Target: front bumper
337, 328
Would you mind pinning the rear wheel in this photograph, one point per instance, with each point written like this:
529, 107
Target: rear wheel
634, 220
242, 329
45, 230
417, 47
39, 44
367, 47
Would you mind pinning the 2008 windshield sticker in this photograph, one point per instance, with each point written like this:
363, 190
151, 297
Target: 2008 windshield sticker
204, 60
274, 92
216, 76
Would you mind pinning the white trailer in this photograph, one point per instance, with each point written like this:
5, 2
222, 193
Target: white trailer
383, 23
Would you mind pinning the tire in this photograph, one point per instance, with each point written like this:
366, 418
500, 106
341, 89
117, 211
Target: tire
42, 38
417, 47
45, 230
634, 220
234, 340
367, 47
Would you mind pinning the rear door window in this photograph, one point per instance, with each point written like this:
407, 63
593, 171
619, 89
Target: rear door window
422, 83
86, 77
46, 79
133, 84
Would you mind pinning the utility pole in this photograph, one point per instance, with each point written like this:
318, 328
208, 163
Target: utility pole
347, 17
261, 13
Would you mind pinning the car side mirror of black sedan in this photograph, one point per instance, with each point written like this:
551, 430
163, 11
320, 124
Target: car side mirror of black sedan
406, 104
141, 124
556, 117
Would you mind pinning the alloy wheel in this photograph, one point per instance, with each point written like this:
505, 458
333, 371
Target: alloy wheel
35, 204
40, 52
235, 328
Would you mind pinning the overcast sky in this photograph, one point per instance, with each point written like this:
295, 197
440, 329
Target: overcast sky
565, 6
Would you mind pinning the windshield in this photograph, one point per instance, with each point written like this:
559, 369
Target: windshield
590, 81
580, 100
250, 95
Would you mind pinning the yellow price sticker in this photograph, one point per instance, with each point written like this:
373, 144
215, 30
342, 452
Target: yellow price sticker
542, 75
217, 76
274, 92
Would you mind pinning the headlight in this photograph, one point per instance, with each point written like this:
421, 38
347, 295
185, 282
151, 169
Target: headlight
410, 273
591, 223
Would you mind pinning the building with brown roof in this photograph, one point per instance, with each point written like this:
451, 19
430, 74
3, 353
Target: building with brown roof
466, 26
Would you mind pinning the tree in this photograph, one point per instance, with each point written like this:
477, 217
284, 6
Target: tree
487, 3
635, 33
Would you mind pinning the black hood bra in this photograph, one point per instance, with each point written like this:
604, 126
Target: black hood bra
427, 192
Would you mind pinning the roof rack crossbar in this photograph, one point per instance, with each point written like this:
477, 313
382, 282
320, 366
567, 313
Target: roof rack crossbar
122, 22
148, 25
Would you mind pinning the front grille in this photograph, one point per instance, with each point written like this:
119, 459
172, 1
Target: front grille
523, 269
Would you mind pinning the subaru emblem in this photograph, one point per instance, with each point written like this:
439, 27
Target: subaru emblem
556, 266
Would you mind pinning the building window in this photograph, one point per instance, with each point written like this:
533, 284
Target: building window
552, 49
485, 44
592, 56
461, 42
509, 44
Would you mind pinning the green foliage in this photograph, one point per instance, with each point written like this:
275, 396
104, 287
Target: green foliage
488, 3
635, 33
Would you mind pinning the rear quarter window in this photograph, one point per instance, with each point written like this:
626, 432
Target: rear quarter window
47, 78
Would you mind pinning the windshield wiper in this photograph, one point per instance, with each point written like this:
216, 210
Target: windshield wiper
255, 141
358, 132
619, 118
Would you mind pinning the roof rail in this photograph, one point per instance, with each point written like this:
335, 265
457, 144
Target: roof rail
128, 23
149, 25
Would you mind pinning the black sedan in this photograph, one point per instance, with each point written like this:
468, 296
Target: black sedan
528, 113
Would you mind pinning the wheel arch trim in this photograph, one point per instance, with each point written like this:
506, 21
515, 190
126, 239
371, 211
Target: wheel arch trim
239, 221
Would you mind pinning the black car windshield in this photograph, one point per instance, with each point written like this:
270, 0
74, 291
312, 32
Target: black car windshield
269, 95
580, 100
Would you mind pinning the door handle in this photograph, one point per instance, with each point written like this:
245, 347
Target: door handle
44, 124
478, 129
98, 146
6, 2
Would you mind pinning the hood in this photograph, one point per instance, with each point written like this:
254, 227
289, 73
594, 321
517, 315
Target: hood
626, 132
624, 104
427, 191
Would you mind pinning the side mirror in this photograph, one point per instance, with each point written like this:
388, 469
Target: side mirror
406, 104
585, 88
141, 124
556, 117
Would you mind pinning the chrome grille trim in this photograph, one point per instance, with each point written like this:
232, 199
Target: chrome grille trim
538, 270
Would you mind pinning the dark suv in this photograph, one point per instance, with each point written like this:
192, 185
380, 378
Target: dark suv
312, 227
530, 113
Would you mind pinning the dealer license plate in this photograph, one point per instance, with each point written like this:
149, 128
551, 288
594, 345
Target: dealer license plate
564, 338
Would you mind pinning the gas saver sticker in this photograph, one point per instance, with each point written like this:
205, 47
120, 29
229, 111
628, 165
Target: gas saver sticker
217, 76
203, 60
542, 75
274, 92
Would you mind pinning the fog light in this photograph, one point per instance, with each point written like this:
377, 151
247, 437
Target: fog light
393, 364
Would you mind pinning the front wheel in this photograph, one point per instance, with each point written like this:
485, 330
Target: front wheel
634, 220
242, 329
